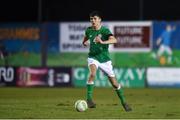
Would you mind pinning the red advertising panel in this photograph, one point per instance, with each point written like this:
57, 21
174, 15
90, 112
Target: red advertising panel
27, 76
37, 76
132, 36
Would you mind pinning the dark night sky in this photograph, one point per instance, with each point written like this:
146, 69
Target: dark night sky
78, 10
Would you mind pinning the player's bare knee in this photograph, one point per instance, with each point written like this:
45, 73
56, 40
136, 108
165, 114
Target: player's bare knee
92, 75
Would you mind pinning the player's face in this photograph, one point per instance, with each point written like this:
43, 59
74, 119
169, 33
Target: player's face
168, 28
95, 21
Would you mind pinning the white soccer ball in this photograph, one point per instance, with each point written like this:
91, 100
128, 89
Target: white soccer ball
81, 105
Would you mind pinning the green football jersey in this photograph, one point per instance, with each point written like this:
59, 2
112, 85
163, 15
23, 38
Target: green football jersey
98, 51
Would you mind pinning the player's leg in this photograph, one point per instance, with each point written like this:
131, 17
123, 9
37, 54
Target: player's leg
120, 93
160, 51
169, 51
108, 69
90, 83
153, 55
118, 89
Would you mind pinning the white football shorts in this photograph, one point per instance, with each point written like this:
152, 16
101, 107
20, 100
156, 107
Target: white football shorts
106, 67
164, 48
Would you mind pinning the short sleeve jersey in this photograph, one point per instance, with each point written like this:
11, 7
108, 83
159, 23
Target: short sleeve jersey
166, 36
98, 51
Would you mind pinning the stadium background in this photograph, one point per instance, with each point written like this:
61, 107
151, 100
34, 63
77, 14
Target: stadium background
41, 43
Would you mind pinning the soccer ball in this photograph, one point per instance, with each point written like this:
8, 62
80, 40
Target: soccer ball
81, 105
162, 60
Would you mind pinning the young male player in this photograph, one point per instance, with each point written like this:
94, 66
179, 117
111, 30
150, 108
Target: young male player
100, 37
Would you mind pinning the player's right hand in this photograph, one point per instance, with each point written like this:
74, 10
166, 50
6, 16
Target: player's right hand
85, 43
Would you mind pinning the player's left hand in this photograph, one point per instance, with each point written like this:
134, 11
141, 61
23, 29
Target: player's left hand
98, 40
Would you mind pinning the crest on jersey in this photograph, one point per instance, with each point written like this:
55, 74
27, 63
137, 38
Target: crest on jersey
100, 35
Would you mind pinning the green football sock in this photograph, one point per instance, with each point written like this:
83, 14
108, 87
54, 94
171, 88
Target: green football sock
120, 94
89, 91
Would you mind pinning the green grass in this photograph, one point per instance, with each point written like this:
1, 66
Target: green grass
67, 59
22, 59
54, 103
80, 59
118, 59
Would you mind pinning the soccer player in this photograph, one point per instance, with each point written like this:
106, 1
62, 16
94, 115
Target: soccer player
100, 37
164, 43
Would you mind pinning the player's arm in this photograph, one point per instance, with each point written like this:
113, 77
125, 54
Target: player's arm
111, 40
85, 41
158, 41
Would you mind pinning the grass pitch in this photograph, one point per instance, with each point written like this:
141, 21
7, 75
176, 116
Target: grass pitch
52, 103
119, 59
